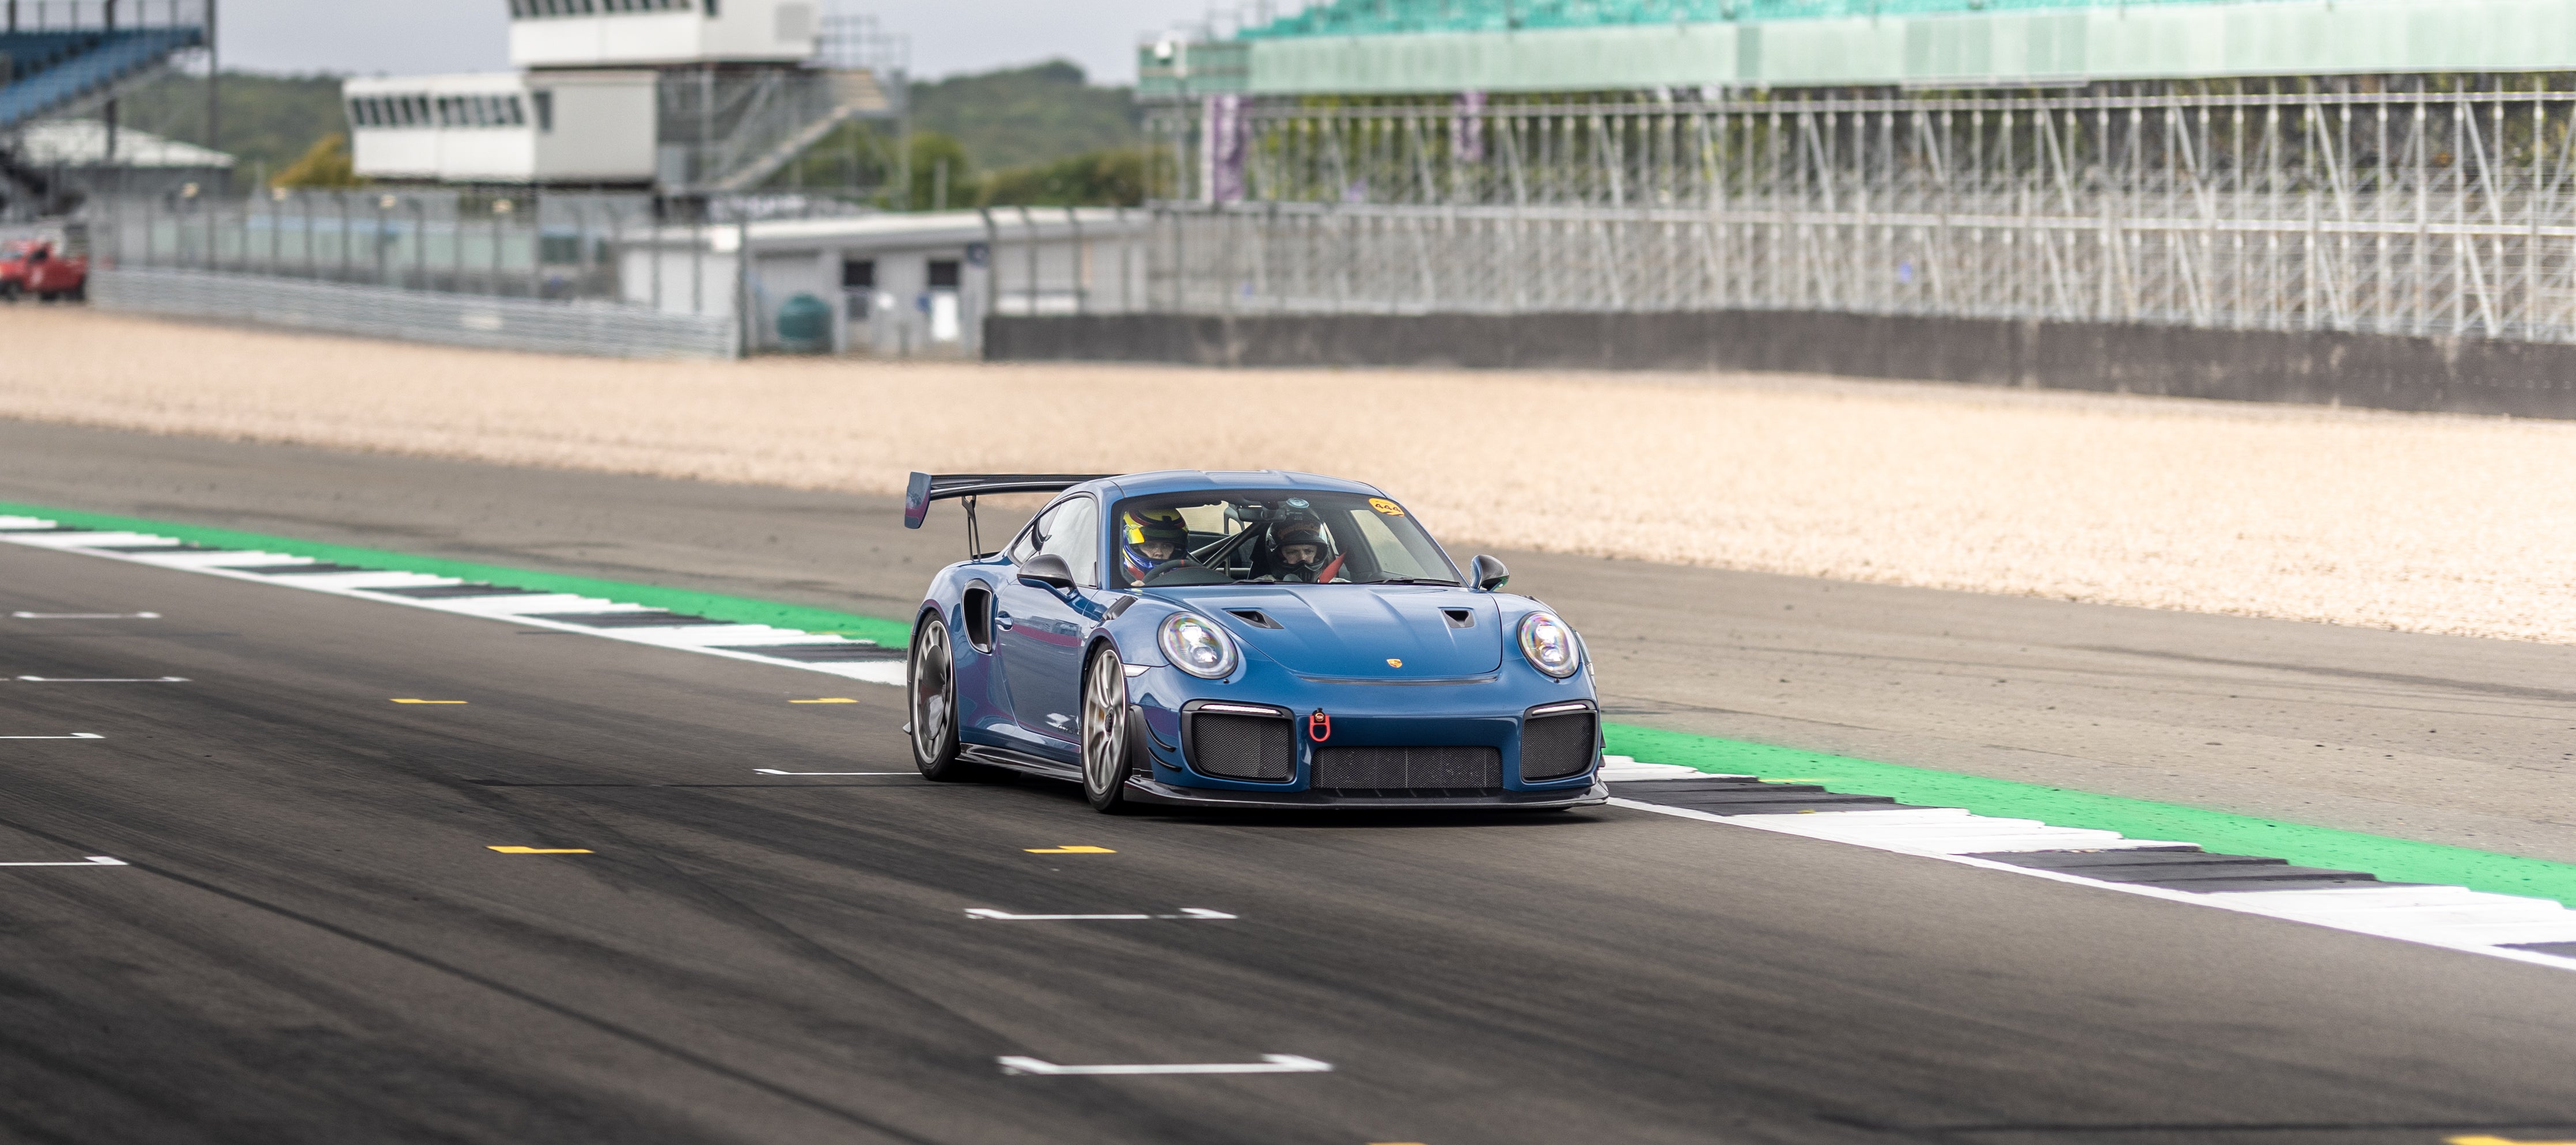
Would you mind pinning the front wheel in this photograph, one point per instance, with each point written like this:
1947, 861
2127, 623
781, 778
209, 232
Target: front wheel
931, 682
1104, 732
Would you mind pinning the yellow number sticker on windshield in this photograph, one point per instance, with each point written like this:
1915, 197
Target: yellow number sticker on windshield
1385, 506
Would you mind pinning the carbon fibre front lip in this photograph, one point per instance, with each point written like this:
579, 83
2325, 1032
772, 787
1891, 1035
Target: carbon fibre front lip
1156, 792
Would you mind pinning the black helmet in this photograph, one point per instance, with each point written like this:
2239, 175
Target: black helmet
1299, 527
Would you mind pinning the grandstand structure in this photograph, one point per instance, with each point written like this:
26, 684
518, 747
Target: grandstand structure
64, 58
2398, 167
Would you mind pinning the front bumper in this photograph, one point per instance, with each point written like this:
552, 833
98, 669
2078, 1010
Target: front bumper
1155, 792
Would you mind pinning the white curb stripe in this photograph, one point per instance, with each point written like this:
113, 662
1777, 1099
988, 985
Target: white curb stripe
2455, 918
524, 609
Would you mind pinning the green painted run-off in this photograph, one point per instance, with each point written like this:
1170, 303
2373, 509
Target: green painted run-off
713, 606
2395, 860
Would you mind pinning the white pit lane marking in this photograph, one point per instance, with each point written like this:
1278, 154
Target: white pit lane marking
147, 680
74, 735
91, 861
1269, 1063
1188, 913
86, 615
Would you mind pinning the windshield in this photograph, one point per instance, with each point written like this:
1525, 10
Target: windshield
1271, 536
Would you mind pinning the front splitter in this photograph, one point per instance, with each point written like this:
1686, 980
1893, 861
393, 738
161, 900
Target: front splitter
1156, 792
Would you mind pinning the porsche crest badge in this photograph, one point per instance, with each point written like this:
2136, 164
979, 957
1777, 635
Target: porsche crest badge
1392, 662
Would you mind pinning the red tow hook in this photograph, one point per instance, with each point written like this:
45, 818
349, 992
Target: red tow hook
1319, 726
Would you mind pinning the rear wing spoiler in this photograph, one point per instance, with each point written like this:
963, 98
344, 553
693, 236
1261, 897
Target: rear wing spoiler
926, 488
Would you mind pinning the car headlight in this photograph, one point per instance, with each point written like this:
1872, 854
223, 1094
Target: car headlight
1197, 647
1549, 644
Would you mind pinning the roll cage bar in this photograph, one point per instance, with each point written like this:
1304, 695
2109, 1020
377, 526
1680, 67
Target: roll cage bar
925, 488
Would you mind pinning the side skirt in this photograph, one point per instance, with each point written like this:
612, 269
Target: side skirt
1022, 761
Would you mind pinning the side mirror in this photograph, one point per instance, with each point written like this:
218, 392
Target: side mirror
1047, 570
1489, 574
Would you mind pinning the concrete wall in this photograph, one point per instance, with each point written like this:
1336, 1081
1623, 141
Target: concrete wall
2459, 375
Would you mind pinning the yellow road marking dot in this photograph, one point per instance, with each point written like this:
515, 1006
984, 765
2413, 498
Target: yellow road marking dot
826, 700
1071, 851
430, 701
2483, 1139
544, 851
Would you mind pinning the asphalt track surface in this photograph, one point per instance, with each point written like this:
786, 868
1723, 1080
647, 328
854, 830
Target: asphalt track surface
314, 941
2447, 739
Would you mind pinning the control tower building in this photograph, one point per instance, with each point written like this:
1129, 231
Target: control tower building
687, 98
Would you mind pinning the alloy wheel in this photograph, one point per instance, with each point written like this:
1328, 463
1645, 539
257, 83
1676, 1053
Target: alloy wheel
934, 694
1104, 727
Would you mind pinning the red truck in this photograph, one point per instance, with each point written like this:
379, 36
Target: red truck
38, 267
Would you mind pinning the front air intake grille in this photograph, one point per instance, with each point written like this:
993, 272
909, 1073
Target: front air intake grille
1554, 747
1243, 747
1408, 768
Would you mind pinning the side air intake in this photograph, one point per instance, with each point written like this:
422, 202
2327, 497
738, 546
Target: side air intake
1241, 746
1557, 746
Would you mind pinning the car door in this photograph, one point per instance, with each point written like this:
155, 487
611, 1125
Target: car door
1041, 630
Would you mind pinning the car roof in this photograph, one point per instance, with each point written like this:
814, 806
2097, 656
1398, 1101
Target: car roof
1191, 480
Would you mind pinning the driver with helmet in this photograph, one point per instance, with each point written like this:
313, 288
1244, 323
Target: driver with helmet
1301, 550
1152, 541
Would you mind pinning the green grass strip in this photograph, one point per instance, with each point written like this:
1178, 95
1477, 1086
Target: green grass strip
714, 606
2395, 860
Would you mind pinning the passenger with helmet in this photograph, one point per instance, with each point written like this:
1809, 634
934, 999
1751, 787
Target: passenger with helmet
1152, 541
1301, 550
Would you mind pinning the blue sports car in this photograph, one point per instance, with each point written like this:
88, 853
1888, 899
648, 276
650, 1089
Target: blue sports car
1259, 640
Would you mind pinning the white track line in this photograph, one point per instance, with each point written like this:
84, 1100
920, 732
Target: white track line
525, 609
1269, 1063
146, 680
1188, 913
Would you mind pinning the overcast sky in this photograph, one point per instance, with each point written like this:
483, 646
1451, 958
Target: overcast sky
948, 36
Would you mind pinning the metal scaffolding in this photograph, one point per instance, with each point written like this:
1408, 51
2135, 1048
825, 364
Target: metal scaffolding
2386, 206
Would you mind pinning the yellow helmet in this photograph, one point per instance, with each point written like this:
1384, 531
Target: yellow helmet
1137, 527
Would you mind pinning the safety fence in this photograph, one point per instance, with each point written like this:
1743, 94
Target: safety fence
503, 244
2386, 206
491, 322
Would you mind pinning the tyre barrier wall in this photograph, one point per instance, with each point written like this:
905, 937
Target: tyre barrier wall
577, 327
2376, 371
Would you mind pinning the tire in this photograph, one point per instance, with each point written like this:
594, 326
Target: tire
78, 293
9, 292
930, 684
1106, 744
45, 296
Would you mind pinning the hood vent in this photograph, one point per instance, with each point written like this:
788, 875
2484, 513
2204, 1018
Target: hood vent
1460, 617
1254, 617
